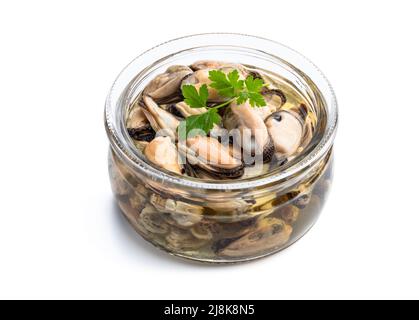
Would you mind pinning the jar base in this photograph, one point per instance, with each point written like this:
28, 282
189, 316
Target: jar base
208, 261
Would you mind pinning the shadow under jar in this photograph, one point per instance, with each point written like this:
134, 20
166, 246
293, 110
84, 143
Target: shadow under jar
228, 220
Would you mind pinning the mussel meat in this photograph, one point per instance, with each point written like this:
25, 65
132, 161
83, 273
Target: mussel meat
268, 234
138, 126
181, 213
286, 131
163, 153
152, 221
184, 110
162, 121
208, 154
251, 134
165, 87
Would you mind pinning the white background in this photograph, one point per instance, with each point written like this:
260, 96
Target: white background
60, 233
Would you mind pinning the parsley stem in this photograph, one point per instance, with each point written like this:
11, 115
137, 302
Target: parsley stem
224, 104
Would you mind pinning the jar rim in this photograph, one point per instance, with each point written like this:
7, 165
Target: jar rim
309, 159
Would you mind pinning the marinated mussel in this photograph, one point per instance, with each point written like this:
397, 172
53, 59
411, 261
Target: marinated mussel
162, 121
163, 153
267, 234
138, 126
249, 131
286, 131
165, 87
209, 155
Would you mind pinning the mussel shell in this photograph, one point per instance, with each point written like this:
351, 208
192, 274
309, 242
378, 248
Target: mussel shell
137, 123
183, 240
289, 213
234, 229
186, 220
145, 133
268, 151
174, 98
302, 111
250, 158
222, 173
173, 110
303, 200
203, 231
254, 74
268, 234
206, 64
182, 110
210, 172
182, 213
152, 221
275, 95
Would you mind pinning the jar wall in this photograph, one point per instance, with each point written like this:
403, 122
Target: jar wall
239, 227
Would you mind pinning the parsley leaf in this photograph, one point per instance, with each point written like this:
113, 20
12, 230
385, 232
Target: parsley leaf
226, 85
193, 98
253, 87
204, 122
242, 98
234, 77
256, 99
252, 93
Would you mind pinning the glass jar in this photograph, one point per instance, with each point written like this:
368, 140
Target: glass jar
222, 221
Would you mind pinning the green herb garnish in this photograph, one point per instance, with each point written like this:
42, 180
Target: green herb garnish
227, 85
205, 121
194, 98
252, 92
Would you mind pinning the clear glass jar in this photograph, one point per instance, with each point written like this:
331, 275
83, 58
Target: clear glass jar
222, 221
